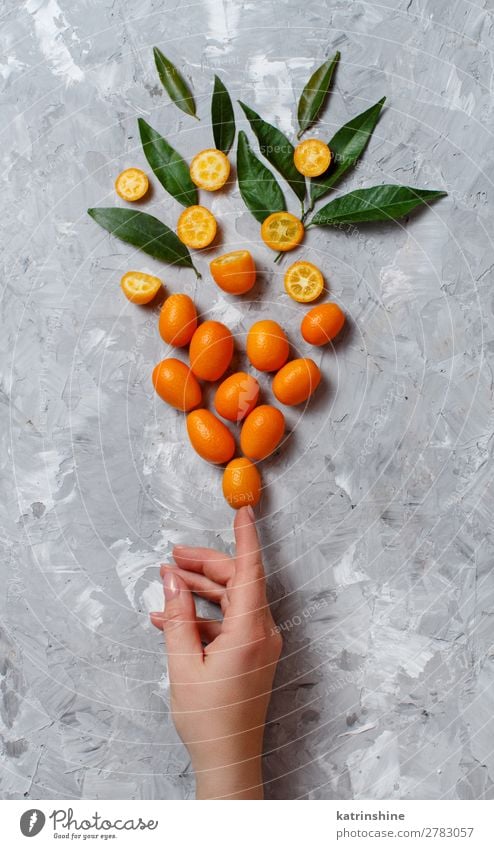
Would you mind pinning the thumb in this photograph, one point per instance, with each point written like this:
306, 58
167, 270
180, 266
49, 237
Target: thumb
179, 622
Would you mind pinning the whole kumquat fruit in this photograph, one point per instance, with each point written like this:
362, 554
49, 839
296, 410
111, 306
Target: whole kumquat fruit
236, 396
282, 231
178, 320
303, 281
210, 169
209, 437
241, 483
262, 431
140, 288
211, 350
175, 384
312, 157
132, 184
234, 272
267, 345
322, 323
196, 227
296, 382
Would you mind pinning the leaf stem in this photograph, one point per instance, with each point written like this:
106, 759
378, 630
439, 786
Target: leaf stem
279, 256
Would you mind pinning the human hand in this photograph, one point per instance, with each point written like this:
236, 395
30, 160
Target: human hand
220, 692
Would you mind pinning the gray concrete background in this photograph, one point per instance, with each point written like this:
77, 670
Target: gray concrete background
376, 520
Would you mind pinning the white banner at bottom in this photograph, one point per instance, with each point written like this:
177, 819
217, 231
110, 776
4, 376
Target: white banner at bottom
145, 824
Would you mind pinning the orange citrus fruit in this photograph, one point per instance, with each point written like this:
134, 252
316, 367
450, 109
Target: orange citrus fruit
132, 184
267, 346
211, 350
210, 169
303, 282
234, 272
262, 431
178, 320
175, 384
322, 323
140, 288
211, 438
312, 157
236, 396
196, 227
241, 483
296, 382
282, 231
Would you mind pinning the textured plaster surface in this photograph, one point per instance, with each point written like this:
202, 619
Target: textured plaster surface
377, 518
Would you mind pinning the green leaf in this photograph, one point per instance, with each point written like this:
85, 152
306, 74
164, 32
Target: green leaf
314, 94
346, 146
222, 117
174, 83
168, 165
275, 146
145, 232
378, 203
259, 189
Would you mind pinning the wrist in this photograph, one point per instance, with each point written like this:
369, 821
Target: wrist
237, 780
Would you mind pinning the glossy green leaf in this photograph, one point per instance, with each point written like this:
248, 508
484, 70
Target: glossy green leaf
314, 93
171, 170
222, 117
277, 149
145, 232
346, 146
258, 187
174, 83
378, 203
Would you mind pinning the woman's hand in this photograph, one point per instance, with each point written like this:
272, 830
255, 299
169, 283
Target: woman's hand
220, 692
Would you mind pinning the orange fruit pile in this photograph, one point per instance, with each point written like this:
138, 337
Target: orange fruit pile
261, 428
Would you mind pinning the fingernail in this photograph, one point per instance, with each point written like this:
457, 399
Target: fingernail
251, 512
158, 614
170, 586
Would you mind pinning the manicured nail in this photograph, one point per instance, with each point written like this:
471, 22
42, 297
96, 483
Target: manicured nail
170, 586
158, 614
251, 513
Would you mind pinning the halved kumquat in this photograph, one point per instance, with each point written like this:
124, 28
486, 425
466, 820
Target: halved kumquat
210, 169
303, 282
282, 231
132, 184
140, 288
312, 157
234, 272
196, 227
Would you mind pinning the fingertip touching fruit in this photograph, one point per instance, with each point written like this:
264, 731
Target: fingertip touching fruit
132, 184
175, 383
312, 157
234, 272
140, 288
262, 431
236, 396
303, 281
282, 231
210, 169
241, 483
322, 323
267, 345
196, 227
209, 437
211, 350
296, 381
178, 320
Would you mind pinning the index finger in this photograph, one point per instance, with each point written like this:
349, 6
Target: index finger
247, 590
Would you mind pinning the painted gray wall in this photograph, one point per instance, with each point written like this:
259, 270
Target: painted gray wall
377, 518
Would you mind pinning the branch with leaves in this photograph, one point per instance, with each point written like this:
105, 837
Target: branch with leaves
259, 187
